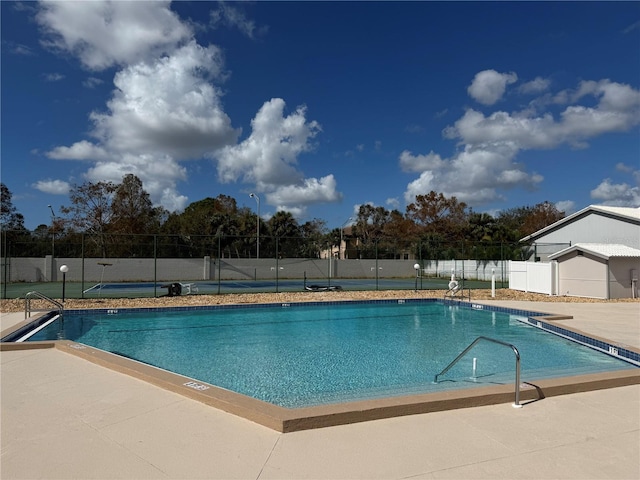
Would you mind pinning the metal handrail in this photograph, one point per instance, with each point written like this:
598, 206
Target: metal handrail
493, 340
27, 303
453, 293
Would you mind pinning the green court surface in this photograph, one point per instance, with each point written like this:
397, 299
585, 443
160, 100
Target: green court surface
211, 287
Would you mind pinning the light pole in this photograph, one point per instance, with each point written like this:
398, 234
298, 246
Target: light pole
417, 267
253, 195
53, 232
64, 269
493, 283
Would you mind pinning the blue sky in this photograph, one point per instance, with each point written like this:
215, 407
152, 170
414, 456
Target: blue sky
319, 107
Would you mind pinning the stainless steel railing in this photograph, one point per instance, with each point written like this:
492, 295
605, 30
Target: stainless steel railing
492, 340
27, 303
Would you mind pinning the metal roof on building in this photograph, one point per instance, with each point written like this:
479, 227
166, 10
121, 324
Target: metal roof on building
603, 250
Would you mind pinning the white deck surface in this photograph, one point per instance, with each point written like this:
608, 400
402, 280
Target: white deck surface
63, 417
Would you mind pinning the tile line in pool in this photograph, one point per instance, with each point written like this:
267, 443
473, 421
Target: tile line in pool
249, 324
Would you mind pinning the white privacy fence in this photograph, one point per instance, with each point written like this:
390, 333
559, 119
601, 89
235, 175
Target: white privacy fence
534, 277
47, 269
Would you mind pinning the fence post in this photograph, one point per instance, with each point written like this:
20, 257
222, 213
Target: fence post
329, 264
277, 255
5, 257
376, 264
219, 261
155, 266
82, 273
5, 264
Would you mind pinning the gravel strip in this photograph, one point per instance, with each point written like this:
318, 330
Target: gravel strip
17, 305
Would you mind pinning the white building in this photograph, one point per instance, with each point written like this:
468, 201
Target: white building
593, 224
598, 270
593, 253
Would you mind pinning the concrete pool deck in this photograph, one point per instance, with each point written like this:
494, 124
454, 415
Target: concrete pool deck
63, 417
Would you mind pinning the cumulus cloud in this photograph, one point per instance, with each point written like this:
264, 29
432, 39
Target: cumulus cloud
310, 191
82, 150
161, 111
619, 194
616, 194
55, 187
489, 86
167, 106
103, 34
419, 163
475, 175
268, 159
485, 164
159, 175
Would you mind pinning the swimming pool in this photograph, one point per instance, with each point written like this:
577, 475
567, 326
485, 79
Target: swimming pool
303, 355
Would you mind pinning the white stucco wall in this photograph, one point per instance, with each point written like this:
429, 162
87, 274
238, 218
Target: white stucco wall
582, 276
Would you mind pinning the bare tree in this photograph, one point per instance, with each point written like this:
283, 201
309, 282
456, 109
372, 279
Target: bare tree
90, 211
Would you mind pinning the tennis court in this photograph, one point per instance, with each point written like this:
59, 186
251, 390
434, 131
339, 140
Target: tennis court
151, 289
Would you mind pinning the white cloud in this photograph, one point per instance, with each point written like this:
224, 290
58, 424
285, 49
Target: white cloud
489, 86
295, 198
476, 175
159, 175
56, 187
105, 33
616, 194
566, 206
619, 194
393, 203
167, 106
537, 85
161, 112
419, 163
230, 16
486, 163
92, 82
621, 167
82, 150
268, 159
618, 109
501, 127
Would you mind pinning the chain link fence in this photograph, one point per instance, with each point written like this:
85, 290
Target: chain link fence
114, 266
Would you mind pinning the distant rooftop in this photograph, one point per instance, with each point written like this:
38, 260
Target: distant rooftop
627, 213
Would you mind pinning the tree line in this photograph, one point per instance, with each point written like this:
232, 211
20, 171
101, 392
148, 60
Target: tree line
105, 219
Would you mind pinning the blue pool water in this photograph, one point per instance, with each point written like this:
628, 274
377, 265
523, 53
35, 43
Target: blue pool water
303, 355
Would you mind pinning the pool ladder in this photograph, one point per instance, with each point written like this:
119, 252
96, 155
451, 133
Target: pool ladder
27, 304
516, 403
